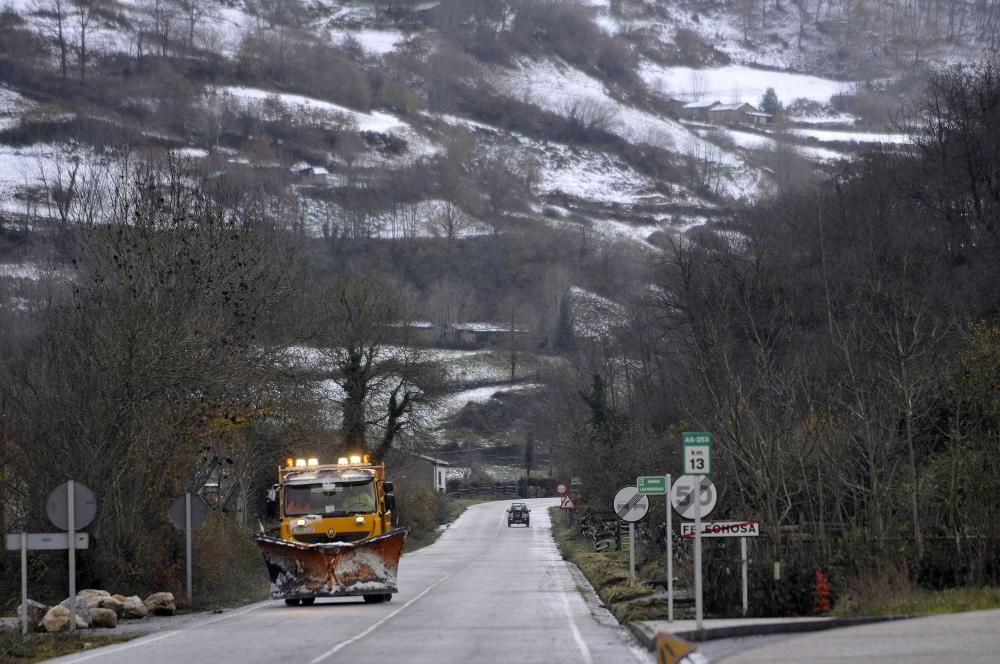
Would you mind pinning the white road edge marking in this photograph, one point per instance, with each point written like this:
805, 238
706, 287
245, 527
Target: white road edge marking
577, 636
142, 642
343, 644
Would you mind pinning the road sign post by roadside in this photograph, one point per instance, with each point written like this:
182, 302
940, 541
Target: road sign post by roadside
697, 456
743, 574
657, 485
694, 496
631, 506
741, 529
25, 542
670, 558
71, 505
188, 512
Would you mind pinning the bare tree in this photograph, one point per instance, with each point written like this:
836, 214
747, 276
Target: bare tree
53, 17
383, 382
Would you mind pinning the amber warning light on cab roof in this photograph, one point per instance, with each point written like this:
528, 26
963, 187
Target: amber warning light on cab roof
354, 459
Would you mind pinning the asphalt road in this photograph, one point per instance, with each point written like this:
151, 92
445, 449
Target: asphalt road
971, 638
482, 593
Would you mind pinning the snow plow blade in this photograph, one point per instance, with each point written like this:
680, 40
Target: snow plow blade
336, 569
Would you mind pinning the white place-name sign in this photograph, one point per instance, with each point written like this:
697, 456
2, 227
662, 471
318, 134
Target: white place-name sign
722, 529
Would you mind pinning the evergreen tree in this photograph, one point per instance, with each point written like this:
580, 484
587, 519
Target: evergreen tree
769, 103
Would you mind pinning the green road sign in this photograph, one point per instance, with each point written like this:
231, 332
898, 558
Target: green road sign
651, 485
697, 452
696, 438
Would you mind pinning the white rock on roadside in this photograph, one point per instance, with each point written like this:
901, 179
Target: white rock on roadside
161, 604
133, 608
111, 603
57, 619
36, 611
103, 618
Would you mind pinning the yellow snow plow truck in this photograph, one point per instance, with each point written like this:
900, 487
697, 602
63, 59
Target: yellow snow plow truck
336, 537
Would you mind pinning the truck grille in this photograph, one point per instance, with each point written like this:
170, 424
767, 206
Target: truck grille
320, 538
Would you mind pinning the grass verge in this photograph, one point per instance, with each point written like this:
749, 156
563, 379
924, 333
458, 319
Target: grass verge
917, 601
608, 573
40, 647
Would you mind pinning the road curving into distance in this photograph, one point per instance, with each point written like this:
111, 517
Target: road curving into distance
482, 593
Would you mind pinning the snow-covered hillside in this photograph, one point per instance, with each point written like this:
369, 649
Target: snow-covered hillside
658, 171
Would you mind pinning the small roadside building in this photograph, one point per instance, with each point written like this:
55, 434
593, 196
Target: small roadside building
419, 470
759, 118
484, 334
697, 110
311, 174
415, 331
731, 113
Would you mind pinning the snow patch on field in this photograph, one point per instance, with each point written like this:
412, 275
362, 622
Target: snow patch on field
564, 90
738, 83
454, 402
590, 176
12, 105
831, 135
255, 97
25, 271
594, 315
835, 119
374, 121
372, 42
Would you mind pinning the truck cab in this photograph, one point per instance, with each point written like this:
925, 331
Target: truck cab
323, 503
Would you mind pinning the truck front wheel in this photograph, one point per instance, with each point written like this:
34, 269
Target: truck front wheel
376, 599
292, 602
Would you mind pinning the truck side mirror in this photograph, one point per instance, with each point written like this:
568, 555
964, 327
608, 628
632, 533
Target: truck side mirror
390, 502
387, 486
272, 501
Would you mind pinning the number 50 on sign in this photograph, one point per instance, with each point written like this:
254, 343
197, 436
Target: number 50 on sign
697, 453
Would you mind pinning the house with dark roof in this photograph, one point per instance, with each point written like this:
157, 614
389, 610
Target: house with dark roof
730, 113
697, 110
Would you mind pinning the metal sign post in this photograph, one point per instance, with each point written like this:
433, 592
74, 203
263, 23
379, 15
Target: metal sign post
187, 540
71, 507
24, 583
24, 542
631, 552
670, 559
81, 507
698, 609
188, 512
743, 564
631, 506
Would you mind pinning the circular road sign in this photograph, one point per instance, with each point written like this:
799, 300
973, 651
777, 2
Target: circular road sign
199, 511
561, 489
682, 495
84, 506
630, 505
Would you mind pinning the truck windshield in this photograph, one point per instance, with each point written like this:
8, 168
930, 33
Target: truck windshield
330, 498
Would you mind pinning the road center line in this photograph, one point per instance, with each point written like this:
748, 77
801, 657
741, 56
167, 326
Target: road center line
343, 644
143, 641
